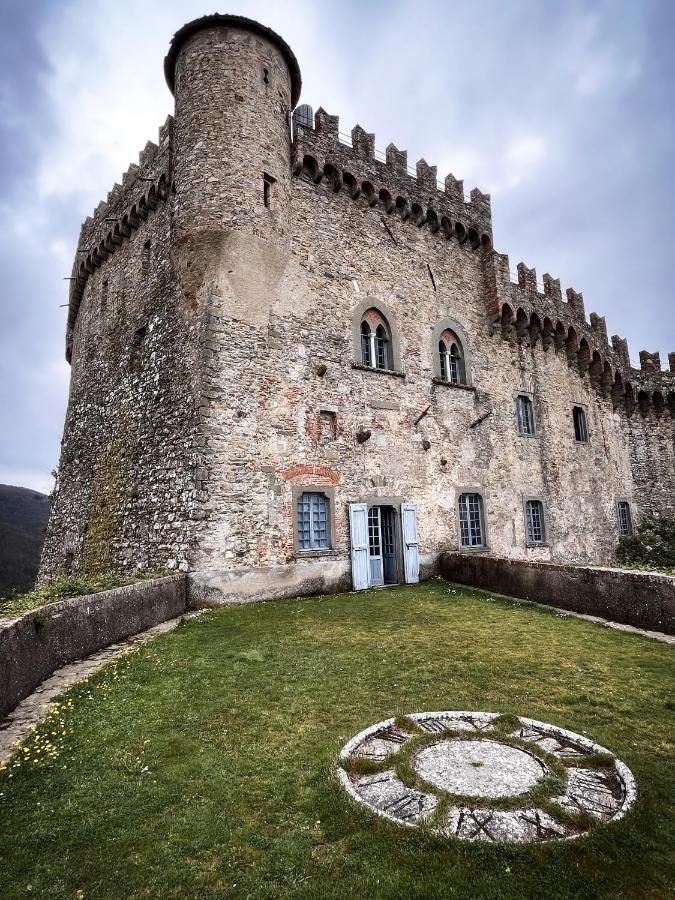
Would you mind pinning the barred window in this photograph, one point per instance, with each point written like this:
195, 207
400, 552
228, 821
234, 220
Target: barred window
366, 354
625, 521
525, 414
534, 514
580, 427
471, 527
313, 521
382, 348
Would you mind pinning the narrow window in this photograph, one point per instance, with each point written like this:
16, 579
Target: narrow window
312, 514
381, 348
145, 263
525, 414
471, 528
366, 355
625, 521
104, 296
444, 357
455, 364
534, 514
266, 76
268, 181
580, 429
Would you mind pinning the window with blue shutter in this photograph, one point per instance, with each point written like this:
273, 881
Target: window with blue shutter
313, 523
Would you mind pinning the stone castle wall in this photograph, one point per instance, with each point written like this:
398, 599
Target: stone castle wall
218, 374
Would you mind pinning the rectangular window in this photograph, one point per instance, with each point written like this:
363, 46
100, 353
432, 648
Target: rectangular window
580, 429
313, 521
471, 528
625, 521
534, 514
374, 531
268, 181
525, 414
454, 369
381, 351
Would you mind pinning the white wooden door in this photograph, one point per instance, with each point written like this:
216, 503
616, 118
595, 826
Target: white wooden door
358, 529
411, 550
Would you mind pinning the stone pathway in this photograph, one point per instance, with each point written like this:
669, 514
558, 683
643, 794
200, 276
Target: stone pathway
35, 708
476, 778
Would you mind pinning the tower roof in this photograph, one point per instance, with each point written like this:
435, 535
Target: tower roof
181, 36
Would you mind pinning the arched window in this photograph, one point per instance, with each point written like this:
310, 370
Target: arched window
375, 341
451, 358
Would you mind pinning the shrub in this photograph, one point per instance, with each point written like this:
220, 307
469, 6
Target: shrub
652, 545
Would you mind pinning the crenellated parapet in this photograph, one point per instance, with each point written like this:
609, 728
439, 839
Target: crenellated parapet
144, 186
384, 180
524, 313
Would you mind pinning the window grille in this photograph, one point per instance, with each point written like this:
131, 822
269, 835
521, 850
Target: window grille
534, 512
625, 521
455, 364
525, 414
313, 522
381, 348
580, 428
471, 529
366, 355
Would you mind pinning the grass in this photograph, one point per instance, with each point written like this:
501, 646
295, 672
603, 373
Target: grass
66, 586
203, 764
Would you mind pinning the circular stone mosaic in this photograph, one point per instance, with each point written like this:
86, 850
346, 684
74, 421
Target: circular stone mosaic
485, 777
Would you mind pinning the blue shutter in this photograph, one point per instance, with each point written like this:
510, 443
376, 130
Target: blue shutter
358, 527
411, 550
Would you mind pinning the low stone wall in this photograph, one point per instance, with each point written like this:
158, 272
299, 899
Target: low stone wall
642, 599
44, 639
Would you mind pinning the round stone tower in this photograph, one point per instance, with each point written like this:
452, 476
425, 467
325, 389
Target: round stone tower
235, 83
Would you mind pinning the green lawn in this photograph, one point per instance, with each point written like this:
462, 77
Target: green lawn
202, 765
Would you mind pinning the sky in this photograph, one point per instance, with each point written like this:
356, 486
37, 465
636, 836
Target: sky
563, 111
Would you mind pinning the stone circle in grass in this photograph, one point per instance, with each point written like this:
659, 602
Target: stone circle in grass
485, 777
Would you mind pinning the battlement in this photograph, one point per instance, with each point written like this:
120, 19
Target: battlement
352, 162
127, 206
526, 314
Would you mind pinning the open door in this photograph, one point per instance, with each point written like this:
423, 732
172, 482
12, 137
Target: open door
358, 529
411, 550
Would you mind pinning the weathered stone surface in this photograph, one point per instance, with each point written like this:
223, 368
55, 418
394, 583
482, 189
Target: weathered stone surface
44, 639
642, 599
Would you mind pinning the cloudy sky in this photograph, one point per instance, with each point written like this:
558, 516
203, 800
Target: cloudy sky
563, 111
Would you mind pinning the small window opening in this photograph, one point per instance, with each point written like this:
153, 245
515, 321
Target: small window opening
268, 181
266, 76
381, 348
625, 520
327, 426
312, 517
534, 514
580, 427
104, 295
145, 264
525, 414
471, 526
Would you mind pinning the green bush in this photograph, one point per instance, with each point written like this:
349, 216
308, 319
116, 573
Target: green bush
652, 546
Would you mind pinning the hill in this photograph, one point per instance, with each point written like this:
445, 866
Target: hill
23, 518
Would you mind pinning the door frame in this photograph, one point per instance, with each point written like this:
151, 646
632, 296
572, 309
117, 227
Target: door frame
395, 503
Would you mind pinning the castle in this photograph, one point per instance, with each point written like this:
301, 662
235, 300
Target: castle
297, 366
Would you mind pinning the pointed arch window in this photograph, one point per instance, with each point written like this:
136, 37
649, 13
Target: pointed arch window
375, 343
451, 358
